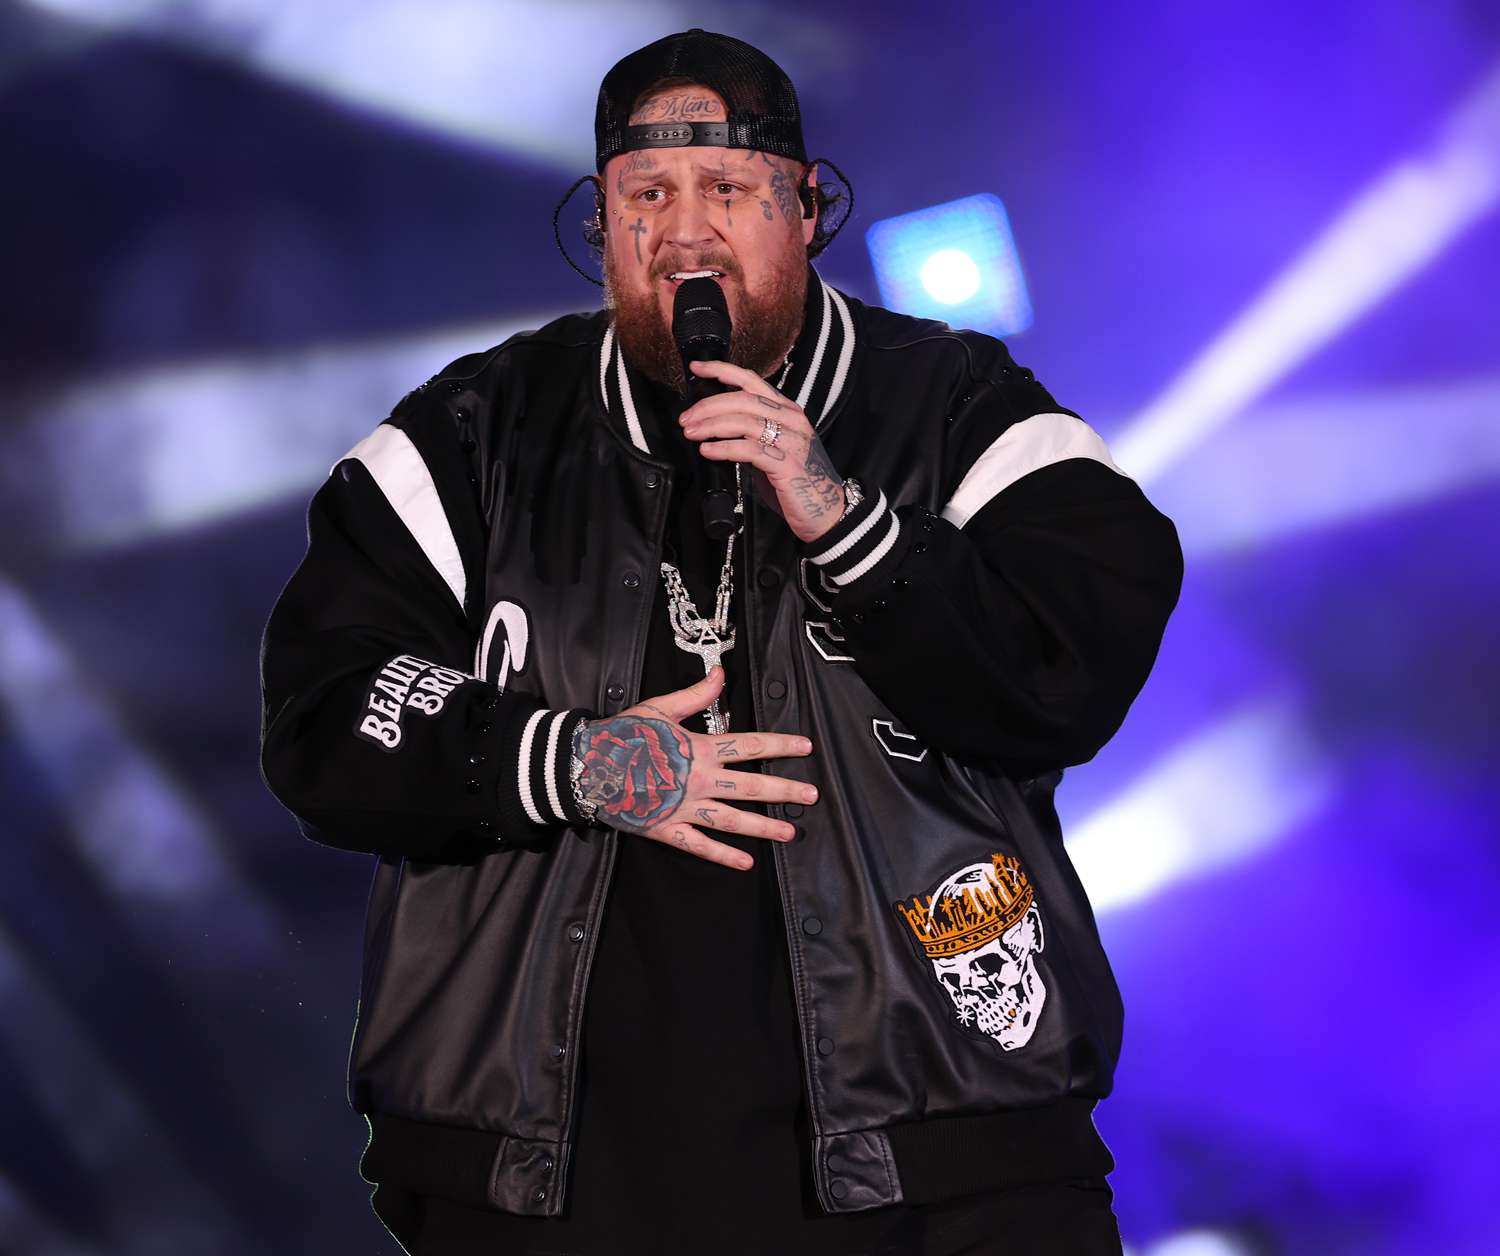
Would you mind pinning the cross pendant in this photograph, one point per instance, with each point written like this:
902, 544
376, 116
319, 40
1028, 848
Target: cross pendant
711, 650
718, 722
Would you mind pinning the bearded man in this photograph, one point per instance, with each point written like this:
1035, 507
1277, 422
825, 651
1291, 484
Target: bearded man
818, 976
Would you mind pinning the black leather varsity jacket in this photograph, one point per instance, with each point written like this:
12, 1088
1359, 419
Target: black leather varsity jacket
478, 577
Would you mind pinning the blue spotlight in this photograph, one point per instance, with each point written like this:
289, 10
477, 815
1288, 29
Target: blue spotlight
955, 262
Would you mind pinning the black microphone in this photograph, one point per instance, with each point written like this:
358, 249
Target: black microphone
700, 326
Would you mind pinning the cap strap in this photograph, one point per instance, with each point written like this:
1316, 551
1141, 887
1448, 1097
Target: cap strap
687, 134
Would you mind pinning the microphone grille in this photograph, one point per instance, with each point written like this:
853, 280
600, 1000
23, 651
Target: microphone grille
699, 311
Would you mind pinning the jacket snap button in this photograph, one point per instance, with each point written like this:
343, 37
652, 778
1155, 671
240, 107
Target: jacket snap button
483, 728
920, 547
539, 1195
472, 786
768, 578
575, 932
631, 580
776, 689
793, 810
825, 1046
652, 479
548, 1164
878, 604
812, 926
558, 1050
476, 758
837, 1164
615, 692
838, 1188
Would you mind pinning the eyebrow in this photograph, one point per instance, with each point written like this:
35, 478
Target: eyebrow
657, 174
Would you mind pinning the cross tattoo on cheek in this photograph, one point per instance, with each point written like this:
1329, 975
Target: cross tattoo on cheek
637, 230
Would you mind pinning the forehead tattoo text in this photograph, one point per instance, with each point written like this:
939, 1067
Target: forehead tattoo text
678, 106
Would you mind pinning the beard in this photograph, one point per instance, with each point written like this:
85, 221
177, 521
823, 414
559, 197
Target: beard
765, 325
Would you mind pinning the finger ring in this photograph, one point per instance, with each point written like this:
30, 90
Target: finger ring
769, 432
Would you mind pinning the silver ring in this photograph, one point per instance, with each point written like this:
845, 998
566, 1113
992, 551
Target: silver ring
769, 432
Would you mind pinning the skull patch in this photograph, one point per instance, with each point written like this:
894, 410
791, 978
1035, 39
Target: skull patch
981, 930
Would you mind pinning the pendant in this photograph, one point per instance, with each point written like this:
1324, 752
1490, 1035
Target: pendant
711, 648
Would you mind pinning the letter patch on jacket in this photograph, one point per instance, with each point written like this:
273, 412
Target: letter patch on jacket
825, 635
405, 683
981, 930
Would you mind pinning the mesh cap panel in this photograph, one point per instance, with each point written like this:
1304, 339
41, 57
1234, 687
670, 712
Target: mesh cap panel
760, 100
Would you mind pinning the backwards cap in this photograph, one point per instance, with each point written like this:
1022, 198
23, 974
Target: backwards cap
758, 97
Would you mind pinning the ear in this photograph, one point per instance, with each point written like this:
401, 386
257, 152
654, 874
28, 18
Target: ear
807, 194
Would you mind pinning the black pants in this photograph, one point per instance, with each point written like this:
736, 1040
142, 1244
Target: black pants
1072, 1218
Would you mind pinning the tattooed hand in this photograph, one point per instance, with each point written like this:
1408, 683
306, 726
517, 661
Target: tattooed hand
651, 776
805, 488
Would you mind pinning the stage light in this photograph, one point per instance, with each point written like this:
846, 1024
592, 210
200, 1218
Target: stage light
1226, 793
1322, 462
141, 836
1391, 231
506, 73
129, 456
1200, 1243
956, 262
951, 276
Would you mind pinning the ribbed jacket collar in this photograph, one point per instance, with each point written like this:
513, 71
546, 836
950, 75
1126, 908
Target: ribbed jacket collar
820, 361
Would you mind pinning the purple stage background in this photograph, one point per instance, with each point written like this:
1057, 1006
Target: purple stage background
1262, 246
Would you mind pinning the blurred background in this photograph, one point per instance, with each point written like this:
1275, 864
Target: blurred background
1256, 245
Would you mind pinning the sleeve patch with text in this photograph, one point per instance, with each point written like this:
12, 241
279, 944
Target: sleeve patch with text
404, 683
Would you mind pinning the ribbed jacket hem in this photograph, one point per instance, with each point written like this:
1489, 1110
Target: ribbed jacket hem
935, 1160
963, 1155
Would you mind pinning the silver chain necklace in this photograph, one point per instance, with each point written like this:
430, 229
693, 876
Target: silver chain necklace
707, 638
710, 639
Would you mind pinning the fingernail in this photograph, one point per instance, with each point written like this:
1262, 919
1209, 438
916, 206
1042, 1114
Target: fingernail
810, 795
805, 746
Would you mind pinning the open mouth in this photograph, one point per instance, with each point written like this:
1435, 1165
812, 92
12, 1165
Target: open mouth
677, 276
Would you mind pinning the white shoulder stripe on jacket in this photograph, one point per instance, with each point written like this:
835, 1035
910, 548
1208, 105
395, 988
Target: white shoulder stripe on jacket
398, 468
1022, 448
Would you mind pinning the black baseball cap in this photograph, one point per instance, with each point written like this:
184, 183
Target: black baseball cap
759, 99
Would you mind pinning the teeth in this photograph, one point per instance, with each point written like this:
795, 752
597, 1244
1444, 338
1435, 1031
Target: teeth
697, 274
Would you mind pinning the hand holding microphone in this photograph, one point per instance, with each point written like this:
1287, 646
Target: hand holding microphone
741, 418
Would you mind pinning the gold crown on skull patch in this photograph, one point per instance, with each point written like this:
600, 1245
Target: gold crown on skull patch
968, 916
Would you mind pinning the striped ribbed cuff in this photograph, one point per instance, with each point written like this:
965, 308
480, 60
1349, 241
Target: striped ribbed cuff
534, 788
859, 540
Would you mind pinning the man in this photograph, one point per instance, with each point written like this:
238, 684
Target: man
825, 980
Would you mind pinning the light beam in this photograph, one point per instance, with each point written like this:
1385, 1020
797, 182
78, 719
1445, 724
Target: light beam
1394, 229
